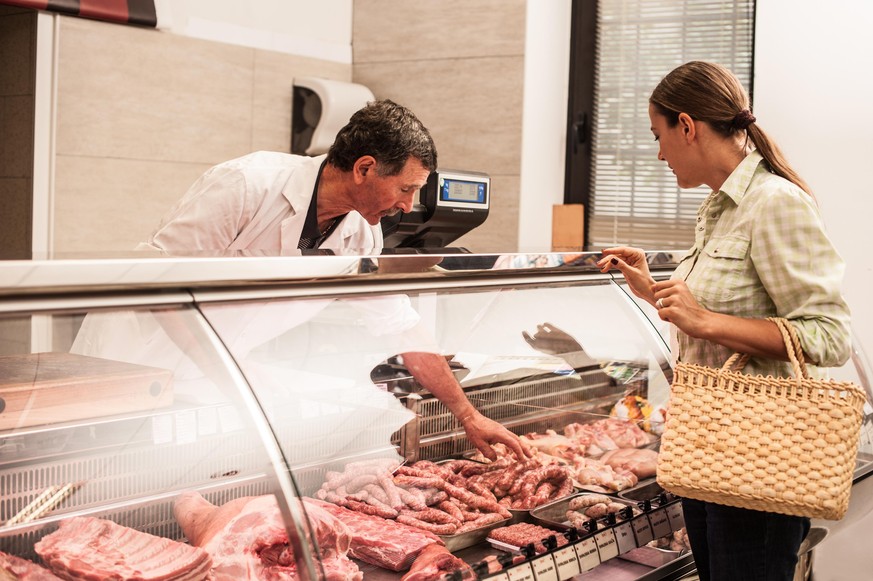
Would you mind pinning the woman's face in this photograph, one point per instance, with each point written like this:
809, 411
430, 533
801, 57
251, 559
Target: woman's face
673, 147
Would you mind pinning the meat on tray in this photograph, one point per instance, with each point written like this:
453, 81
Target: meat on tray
607, 434
584, 507
522, 534
595, 474
378, 541
517, 485
433, 563
641, 461
424, 495
12, 567
93, 548
246, 538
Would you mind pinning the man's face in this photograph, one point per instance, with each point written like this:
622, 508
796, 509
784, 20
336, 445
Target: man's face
380, 196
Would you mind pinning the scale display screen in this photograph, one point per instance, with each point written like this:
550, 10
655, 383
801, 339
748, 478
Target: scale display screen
452, 190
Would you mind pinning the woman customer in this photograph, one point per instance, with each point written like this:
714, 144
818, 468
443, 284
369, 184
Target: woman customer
760, 250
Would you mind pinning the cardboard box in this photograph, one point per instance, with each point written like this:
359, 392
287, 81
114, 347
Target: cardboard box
568, 227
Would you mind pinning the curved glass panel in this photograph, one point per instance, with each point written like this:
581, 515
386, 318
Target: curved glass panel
333, 376
127, 429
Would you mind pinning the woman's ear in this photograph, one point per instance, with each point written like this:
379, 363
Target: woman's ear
688, 126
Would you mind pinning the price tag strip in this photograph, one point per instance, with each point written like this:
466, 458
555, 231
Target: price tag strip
660, 523
567, 562
545, 569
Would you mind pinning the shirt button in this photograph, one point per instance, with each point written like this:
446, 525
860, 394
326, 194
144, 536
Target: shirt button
714, 215
699, 218
700, 229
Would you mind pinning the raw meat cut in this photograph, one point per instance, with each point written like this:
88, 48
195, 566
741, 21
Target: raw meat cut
247, 539
12, 567
641, 461
99, 549
380, 542
594, 474
432, 563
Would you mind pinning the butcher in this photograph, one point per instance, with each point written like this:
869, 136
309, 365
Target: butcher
278, 203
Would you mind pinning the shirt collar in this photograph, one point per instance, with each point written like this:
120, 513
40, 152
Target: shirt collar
737, 183
310, 225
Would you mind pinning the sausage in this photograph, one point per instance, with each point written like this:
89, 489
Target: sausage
377, 492
586, 500
358, 482
471, 499
433, 515
365, 508
413, 498
452, 509
437, 529
390, 488
482, 521
418, 481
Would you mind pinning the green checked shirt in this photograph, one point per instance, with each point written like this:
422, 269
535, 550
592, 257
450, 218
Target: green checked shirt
760, 250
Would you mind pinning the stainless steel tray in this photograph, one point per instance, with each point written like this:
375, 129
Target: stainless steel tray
651, 556
470, 538
554, 514
644, 490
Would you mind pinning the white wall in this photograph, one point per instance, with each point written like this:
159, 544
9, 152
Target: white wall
544, 121
319, 29
813, 94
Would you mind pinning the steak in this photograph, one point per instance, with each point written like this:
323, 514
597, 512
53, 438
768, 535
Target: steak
98, 549
378, 541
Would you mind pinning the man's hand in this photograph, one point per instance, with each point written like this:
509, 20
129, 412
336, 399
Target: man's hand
483, 432
552, 340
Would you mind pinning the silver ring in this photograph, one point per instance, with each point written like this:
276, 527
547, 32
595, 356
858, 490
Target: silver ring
660, 303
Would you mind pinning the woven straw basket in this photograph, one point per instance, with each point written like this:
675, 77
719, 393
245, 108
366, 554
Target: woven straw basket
784, 445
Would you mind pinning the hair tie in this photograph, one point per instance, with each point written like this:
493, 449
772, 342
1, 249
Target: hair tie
743, 119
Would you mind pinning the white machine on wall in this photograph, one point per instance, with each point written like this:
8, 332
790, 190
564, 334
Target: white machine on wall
451, 204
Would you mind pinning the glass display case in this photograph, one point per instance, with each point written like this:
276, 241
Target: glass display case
165, 401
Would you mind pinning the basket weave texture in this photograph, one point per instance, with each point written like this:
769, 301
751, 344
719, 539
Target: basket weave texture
775, 444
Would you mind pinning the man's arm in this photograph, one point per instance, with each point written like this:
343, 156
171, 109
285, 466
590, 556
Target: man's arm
433, 373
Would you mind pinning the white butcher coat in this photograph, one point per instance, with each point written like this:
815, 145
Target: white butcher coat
255, 202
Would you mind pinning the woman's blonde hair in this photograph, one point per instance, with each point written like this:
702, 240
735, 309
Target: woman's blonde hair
711, 93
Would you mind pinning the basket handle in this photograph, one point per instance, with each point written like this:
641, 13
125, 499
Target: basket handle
792, 345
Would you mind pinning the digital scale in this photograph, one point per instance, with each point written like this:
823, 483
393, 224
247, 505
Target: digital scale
451, 204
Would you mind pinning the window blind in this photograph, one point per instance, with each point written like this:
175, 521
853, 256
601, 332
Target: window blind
634, 197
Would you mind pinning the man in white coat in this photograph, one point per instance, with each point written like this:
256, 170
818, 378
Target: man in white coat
275, 202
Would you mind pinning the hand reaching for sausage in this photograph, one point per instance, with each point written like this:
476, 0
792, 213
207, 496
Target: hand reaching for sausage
482, 432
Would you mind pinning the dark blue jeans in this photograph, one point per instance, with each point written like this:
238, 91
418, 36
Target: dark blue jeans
736, 544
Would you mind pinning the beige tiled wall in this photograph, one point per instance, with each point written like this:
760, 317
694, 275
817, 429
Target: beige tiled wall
459, 65
142, 113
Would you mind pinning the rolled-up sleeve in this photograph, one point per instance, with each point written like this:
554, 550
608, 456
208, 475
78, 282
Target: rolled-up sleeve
803, 274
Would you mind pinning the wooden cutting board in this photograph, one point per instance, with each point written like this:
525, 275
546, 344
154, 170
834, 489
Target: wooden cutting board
46, 388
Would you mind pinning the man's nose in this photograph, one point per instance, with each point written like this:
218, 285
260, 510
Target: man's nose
405, 204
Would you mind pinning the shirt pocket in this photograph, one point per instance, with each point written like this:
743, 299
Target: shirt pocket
720, 272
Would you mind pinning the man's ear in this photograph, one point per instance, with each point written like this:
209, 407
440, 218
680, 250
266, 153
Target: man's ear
363, 167
688, 126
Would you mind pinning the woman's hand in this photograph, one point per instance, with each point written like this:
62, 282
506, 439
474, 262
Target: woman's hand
677, 305
631, 262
